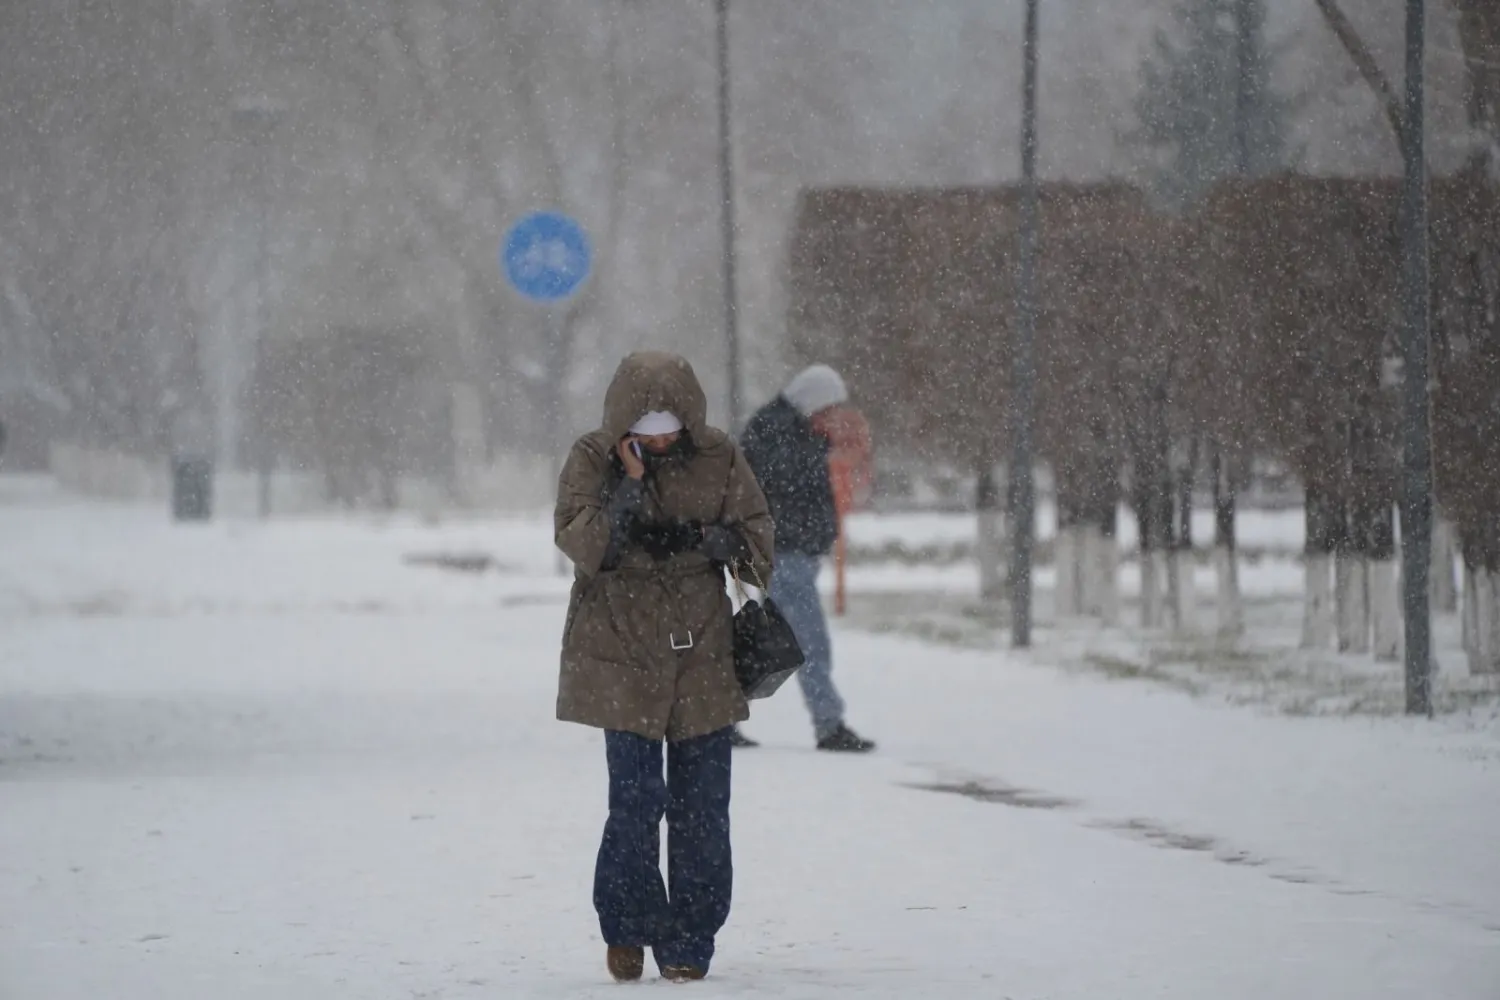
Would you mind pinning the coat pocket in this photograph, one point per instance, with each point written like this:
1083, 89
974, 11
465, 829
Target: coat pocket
607, 623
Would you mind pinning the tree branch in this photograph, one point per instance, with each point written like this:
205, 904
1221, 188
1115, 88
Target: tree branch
1479, 36
1364, 61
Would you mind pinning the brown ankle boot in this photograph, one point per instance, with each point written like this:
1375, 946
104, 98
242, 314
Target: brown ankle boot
682, 973
625, 963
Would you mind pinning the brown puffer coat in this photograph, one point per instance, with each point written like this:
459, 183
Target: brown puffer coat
646, 648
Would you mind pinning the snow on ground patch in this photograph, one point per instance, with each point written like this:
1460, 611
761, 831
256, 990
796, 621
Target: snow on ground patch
1256, 530
1265, 666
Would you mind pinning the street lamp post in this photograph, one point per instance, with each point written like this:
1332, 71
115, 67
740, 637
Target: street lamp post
1416, 492
726, 213
255, 121
1022, 482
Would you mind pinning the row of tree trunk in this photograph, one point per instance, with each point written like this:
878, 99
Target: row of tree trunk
1481, 601
1352, 592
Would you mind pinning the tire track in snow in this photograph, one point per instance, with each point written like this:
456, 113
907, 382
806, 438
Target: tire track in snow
1164, 837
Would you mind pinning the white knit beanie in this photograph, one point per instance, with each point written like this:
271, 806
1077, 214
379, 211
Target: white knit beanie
815, 388
656, 422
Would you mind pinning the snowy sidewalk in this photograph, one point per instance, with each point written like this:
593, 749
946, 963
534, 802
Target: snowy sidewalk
245, 762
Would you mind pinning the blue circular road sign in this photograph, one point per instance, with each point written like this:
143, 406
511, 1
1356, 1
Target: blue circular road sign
545, 256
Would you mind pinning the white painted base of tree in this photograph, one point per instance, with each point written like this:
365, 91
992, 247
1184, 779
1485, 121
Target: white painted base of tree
1101, 585
1443, 587
1154, 582
1353, 614
1109, 563
990, 551
1067, 554
1185, 593
1169, 606
1385, 610
1469, 614
1317, 602
1231, 602
1489, 661
1484, 656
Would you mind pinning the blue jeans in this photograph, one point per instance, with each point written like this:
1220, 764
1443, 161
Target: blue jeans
680, 919
794, 588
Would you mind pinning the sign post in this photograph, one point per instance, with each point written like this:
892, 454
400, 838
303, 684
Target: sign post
546, 257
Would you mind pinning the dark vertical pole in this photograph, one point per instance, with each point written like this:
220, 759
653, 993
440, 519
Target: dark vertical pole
1187, 478
1225, 499
263, 453
987, 506
1244, 49
558, 342
1023, 488
1416, 493
256, 124
726, 214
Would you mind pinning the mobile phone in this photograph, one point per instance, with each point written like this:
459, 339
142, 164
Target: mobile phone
635, 446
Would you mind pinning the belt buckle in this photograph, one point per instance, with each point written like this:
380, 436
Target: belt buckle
672, 638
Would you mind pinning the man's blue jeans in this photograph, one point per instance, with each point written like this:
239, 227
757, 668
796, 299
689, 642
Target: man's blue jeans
794, 588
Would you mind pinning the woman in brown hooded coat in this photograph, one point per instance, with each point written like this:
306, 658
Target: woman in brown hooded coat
651, 507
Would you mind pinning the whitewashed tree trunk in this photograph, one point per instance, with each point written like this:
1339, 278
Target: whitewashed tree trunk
1066, 555
1148, 590
1231, 604
1442, 587
990, 551
1083, 562
1185, 609
1317, 602
1162, 560
1169, 588
1153, 588
1101, 569
1491, 658
1470, 616
1109, 575
1385, 609
1088, 570
1351, 579
1486, 657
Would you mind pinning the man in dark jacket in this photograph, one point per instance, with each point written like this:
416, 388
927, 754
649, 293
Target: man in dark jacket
790, 461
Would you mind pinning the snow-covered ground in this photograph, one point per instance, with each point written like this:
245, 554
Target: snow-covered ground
244, 760
1277, 530
914, 574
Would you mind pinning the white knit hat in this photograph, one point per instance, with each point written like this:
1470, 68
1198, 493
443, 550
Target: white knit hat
815, 388
656, 422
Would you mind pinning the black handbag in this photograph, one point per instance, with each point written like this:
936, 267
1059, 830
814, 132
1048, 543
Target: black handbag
766, 651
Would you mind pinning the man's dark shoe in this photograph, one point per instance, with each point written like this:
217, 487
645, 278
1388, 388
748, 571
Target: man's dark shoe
845, 740
626, 964
739, 739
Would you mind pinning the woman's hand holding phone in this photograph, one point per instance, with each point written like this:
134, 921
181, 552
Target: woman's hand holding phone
629, 450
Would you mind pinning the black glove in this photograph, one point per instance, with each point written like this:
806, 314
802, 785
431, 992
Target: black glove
665, 539
724, 545
621, 509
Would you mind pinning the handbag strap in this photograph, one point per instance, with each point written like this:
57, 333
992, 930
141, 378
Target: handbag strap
755, 578
734, 570
739, 586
